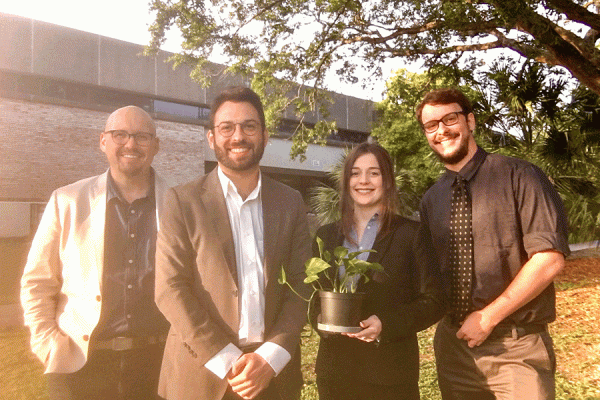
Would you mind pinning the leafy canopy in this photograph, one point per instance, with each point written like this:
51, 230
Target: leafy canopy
289, 47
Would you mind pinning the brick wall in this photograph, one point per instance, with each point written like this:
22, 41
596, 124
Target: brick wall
45, 146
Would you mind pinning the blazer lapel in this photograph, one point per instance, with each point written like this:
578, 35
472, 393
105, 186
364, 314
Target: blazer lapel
215, 206
381, 246
96, 225
271, 211
160, 189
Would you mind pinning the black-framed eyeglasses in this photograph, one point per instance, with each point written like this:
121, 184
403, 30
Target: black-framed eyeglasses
448, 120
121, 137
249, 127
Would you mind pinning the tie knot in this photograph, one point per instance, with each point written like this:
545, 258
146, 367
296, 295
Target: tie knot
460, 181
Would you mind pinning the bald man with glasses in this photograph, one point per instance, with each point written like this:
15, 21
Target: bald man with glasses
88, 285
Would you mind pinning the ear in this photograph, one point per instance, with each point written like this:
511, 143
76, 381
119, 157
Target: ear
471, 122
266, 137
103, 142
210, 137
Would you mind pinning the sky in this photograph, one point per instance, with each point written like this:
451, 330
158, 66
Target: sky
128, 20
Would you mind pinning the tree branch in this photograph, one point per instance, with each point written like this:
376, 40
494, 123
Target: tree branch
576, 13
559, 51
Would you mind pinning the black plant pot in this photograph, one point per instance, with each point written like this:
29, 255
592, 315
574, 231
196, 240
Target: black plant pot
340, 312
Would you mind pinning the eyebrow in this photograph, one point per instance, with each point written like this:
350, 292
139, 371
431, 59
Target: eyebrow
232, 122
449, 112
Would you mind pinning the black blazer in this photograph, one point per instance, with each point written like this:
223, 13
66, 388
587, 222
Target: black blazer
406, 297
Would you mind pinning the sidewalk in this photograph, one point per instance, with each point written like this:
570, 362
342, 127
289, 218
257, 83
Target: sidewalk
11, 315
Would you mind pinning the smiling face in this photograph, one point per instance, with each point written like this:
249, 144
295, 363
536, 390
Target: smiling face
366, 183
454, 145
130, 159
239, 152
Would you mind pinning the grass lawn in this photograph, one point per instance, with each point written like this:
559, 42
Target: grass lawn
576, 335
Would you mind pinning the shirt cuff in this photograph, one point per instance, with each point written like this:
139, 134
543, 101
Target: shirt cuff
222, 362
275, 355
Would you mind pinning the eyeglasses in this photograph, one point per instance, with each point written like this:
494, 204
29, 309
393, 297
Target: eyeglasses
122, 137
249, 127
448, 120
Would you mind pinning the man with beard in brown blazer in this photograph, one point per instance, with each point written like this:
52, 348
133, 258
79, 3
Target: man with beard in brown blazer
223, 240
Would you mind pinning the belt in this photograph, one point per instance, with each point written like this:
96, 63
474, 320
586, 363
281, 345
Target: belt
121, 343
516, 331
507, 329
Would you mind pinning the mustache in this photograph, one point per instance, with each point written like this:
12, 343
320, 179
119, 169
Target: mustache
133, 152
241, 143
448, 135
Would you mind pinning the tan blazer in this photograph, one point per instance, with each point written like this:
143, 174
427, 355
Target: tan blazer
197, 290
61, 285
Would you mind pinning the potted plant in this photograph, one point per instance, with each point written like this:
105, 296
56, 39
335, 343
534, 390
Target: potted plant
335, 278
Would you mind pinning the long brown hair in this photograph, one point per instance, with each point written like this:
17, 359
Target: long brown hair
390, 192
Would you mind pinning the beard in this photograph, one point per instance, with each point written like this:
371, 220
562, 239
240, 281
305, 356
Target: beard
129, 169
242, 165
458, 155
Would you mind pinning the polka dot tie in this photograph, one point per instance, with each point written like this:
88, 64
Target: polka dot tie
461, 250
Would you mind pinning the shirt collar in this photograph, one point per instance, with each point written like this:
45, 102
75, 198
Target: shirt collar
112, 190
227, 184
470, 168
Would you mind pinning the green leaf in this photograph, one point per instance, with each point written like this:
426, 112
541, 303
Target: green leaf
340, 252
320, 244
315, 266
282, 277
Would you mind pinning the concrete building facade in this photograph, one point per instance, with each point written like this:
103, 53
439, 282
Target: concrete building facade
58, 85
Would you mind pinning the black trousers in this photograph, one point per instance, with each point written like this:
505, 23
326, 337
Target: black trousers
111, 375
348, 390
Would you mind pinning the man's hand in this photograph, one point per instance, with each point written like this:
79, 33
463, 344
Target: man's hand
475, 329
250, 375
371, 329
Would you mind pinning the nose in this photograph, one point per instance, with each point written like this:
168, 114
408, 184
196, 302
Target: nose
238, 133
130, 142
442, 129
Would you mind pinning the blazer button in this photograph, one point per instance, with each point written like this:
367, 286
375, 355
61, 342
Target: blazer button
234, 292
98, 298
86, 337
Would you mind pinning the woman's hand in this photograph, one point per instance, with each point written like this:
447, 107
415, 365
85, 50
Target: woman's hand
371, 329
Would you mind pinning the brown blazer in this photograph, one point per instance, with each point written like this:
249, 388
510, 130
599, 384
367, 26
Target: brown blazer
197, 289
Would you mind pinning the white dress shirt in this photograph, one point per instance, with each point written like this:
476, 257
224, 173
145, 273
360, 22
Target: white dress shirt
246, 220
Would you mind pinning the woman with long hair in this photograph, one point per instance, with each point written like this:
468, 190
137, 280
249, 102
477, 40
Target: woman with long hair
382, 360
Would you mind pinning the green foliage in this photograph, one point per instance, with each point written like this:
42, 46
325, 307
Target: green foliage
324, 200
398, 131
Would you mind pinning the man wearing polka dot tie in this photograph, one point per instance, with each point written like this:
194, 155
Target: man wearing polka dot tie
500, 232
88, 285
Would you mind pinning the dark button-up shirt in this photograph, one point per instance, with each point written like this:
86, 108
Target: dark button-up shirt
128, 307
516, 213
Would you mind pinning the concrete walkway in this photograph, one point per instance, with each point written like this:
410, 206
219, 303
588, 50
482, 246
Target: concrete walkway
11, 315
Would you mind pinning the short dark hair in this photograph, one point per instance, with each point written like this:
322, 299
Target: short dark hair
444, 96
390, 192
238, 94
